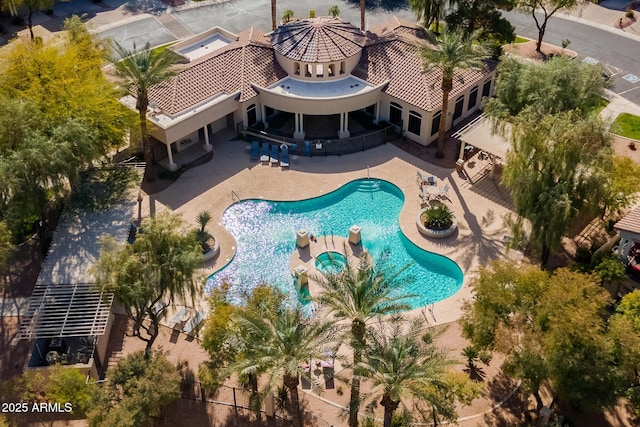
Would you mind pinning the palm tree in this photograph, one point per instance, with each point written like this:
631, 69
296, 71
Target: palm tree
140, 70
429, 12
334, 11
360, 295
280, 346
453, 52
274, 24
287, 15
404, 365
363, 4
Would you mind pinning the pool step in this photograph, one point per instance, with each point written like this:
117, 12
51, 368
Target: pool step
368, 187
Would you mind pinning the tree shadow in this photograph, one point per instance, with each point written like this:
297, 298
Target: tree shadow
475, 373
513, 405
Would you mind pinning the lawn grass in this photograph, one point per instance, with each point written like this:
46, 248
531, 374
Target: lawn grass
521, 40
164, 47
627, 125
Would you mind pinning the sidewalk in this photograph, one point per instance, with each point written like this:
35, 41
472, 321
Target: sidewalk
605, 16
617, 105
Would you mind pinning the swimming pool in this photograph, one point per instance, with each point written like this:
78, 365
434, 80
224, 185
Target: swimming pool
265, 233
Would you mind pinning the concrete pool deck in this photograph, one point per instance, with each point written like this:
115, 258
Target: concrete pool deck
479, 207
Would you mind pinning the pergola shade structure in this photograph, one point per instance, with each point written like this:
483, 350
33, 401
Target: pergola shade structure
479, 133
629, 247
64, 310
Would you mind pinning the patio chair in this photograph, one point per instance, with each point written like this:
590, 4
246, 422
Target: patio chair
284, 156
264, 153
255, 149
177, 319
193, 326
429, 179
274, 154
443, 193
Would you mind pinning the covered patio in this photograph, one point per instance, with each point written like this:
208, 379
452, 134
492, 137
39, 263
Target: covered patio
629, 247
479, 138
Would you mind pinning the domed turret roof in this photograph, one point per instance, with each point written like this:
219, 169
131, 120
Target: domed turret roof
318, 40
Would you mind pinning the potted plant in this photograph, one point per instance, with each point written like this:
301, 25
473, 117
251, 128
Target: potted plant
208, 243
436, 221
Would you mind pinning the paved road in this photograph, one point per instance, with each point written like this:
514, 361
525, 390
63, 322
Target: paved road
620, 55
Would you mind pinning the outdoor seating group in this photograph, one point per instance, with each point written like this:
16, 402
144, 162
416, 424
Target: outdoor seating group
429, 187
273, 154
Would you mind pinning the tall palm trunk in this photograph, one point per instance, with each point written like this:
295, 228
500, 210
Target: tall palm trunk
358, 330
362, 12
142, 104
273, 15
389, 406
291, 383
254, 399
447, 85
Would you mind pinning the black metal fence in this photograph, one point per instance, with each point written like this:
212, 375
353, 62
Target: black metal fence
326, 147
232, 406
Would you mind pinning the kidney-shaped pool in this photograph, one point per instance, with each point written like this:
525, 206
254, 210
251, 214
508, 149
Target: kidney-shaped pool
265, 232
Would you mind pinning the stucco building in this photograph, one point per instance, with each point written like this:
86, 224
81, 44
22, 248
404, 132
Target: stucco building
308, 79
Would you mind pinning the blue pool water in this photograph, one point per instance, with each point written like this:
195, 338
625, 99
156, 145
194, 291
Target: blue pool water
265, 234
331, 262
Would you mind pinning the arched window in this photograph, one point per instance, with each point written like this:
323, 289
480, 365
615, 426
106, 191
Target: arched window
435, 123
395, 114
486, 89
415, 122
457, 112
309, 70
319, 70
296, 69
332, 70
342, 67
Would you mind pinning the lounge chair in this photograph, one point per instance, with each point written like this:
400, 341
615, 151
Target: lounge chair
193, 326
264, 153
255, 150
443, 193
274, 154
177, 319
429, 179
284, 156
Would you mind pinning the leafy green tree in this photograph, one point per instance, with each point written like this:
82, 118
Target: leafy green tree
559, 165
287, 15
334, 11
6, 245
68, 385
141, 70
555, 86
137, 389
429, 12
609, 269
404, 365
360, 295
159, 267
549, 327
279, 346
548, 9
454, 52
622, 186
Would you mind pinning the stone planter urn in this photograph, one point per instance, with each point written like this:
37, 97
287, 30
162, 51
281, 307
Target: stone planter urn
435, 234
212, 252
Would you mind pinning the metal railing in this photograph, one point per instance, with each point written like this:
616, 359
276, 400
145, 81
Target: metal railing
327, 147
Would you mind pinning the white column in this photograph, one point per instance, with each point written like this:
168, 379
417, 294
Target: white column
299, 133
207, 146
296, 127
172, 166
263, 111
377, 119
461, 154
344, 125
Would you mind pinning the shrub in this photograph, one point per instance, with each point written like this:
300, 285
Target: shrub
438, 217
630, 14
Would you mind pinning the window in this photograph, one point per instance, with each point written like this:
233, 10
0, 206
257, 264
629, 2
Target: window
395, 114
342, 67
435, 123
486, 89
309, 70
457, 112
319, 70
473, 96
296, 69
252, 118
415, 122
332, 70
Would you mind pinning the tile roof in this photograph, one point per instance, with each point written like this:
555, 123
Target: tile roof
233, 68
631, 222
391, 53
318, 40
